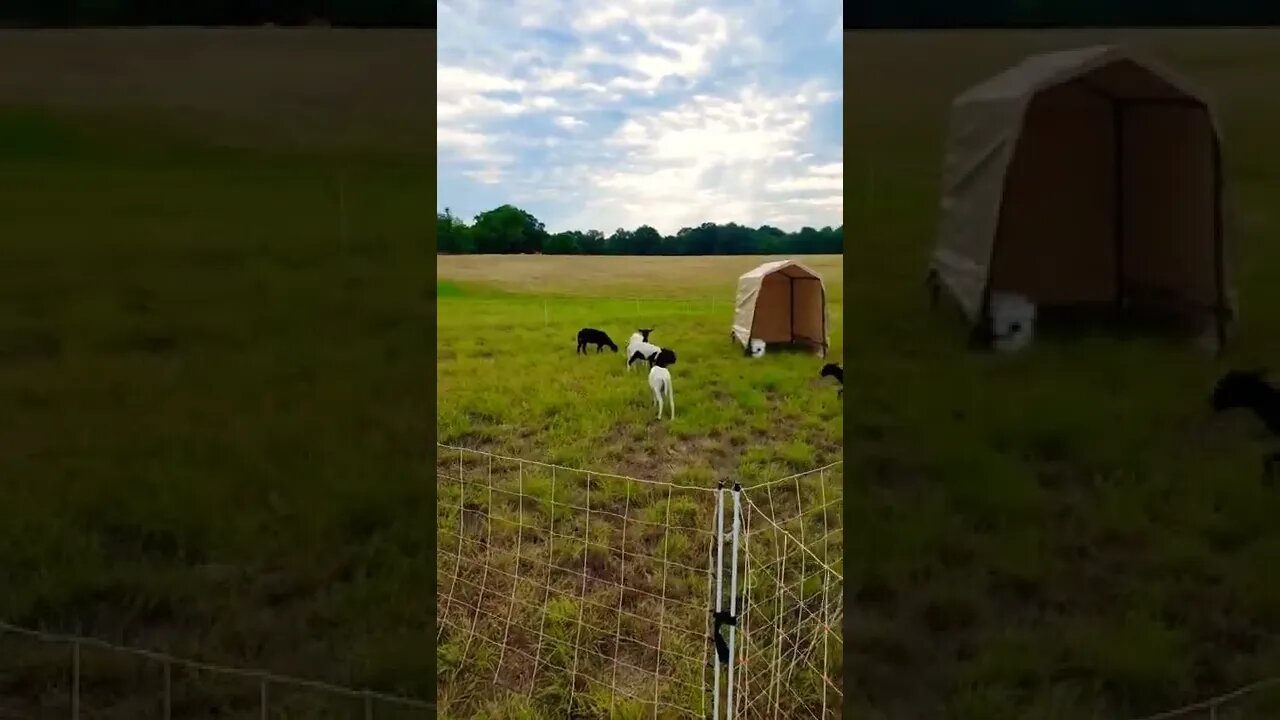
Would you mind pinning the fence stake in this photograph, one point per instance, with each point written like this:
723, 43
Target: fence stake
168, 690
342, 213
733, 591
368, 706
75, 680
263, 697
715, 696
546, 315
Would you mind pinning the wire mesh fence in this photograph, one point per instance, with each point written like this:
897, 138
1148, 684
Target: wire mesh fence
45, 674
596, 593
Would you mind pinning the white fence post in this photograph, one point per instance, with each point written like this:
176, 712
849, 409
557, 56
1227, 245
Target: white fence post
168, 690
75, 680
733, 591
719, 530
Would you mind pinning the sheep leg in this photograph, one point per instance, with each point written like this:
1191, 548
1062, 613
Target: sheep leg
658, 397
671, 398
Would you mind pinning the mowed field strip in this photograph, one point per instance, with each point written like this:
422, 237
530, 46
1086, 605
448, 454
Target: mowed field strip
509, 382
1070, 532
214, 302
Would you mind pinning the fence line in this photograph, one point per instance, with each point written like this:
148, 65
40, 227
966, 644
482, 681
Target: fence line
540, 580
690, 305
265, 678
593, 473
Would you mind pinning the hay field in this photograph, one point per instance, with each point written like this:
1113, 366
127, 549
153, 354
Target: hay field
1069, 533
509, 382
212, 307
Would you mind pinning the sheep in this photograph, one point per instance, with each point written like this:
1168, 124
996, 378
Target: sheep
641, 351
835, 371
652, 353
591, 336
1247, 389
639, 336
660, 382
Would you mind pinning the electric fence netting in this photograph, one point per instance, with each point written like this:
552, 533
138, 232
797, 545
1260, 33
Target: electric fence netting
589, 592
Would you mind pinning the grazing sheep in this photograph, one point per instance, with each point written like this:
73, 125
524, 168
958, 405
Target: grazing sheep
1247, 389
639, 336
591, 336
666, 357
835, 371
660, 381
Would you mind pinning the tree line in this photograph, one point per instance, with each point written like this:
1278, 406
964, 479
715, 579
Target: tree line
510, 230
1059, 13
111, 13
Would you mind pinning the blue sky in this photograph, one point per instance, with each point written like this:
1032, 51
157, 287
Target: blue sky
599, 114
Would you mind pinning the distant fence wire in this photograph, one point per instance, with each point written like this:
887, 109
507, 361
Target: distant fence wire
1213, 707
264, 680
598, 592
563, 307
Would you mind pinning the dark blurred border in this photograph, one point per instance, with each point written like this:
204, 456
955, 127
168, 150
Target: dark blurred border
429, 364
1045, 14
418, 14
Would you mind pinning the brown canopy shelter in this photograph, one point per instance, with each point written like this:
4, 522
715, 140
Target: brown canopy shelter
1088, 176
781, 302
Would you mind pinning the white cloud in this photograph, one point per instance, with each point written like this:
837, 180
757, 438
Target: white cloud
679, 112
568, 122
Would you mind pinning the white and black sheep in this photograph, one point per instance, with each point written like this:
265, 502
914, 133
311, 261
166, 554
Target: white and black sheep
835, 371
1248, 389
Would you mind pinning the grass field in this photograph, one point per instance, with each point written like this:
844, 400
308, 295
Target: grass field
509, 382
1068, 533
213, 301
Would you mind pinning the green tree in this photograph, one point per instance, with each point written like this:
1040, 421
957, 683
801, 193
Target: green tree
508, 229
619, 243
646, 241
564, 243
452, 234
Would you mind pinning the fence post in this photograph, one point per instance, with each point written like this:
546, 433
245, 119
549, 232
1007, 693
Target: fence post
733, 590
719, 533
262, 696
75, 680
368, 706
168, 690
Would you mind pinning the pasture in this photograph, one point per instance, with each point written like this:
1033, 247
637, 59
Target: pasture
213, 301
509, 383
1069, 532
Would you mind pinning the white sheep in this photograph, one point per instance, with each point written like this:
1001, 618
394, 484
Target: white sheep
660, 381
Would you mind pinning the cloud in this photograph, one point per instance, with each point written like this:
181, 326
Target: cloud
659, 112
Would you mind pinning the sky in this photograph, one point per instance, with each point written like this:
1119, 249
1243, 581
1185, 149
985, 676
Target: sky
595, 115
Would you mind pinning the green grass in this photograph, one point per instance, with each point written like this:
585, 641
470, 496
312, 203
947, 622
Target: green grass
1069, 532
509, 382
212, 405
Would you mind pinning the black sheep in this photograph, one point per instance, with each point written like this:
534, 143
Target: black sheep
835, 371
1247, 389
591, 336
